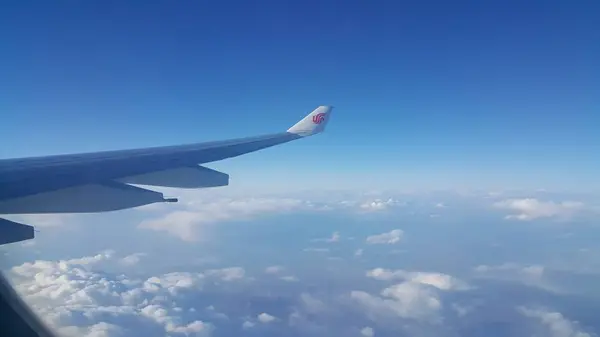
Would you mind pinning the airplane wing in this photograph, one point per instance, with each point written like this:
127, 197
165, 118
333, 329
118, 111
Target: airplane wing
102, 181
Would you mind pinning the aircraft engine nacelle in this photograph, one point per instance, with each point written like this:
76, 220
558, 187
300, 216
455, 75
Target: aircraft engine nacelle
184, 177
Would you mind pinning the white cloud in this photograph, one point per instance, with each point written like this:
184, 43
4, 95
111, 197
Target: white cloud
182, 224
187, 224
311, 304
440, 205
437, 280
42, 220
460, 310
554, 322
247, 325
316, 250
274, 269
76, 299
367, 332
227, 274
359, 252
379, 204
214, 313
266, 318
101, 329
415, 298
132, 259
189, 219
335, 237
531, 271
404, 300
531, 275
391, 237
530, 208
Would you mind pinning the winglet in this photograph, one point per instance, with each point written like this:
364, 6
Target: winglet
314, 123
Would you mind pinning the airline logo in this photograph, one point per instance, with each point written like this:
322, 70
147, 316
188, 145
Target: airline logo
318, 118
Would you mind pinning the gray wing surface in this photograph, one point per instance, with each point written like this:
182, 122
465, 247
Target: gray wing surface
102, 181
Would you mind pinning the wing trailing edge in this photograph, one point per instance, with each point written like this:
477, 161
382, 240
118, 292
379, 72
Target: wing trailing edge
91, 198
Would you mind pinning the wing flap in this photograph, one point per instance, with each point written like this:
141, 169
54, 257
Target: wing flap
101, 197
183, 177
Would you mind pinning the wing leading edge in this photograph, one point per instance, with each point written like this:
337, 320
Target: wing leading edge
100, 182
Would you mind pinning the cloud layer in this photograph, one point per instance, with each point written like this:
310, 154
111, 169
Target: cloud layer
531, 209
76, 299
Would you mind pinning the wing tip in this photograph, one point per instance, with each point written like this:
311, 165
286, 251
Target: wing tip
313, 123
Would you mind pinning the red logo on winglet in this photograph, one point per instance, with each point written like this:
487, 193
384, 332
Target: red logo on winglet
319, 118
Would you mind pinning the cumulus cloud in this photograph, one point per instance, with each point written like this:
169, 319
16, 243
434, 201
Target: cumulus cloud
247, 325
437, 280
530, 208
367, 332
359, 252
76, 299
187, 223
417, 297
555, 324
379, 204
391, 237
266, 318
404, 300
132, 259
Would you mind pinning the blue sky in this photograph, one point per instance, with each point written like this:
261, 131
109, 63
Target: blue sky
432, 94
